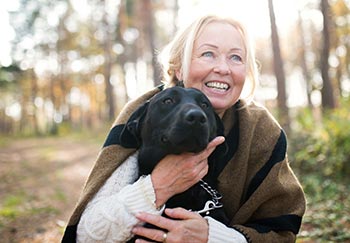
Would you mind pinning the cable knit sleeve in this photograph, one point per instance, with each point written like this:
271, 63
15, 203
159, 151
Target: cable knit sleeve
109, 216
219, 232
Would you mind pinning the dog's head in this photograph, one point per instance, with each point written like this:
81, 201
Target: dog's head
174, 121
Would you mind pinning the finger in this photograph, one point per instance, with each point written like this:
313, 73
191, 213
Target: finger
216, 141
211, 147
151, 234
181, 213
156, 220
203, 171
142, 241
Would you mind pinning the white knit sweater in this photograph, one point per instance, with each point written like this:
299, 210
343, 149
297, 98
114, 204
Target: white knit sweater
109, 216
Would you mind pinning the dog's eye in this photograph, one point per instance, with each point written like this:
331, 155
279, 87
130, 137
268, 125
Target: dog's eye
168, 101
204, 105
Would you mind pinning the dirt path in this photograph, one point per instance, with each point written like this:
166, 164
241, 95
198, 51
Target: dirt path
41, 180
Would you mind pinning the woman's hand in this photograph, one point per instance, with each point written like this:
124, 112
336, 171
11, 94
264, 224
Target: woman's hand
184, 226
176, 173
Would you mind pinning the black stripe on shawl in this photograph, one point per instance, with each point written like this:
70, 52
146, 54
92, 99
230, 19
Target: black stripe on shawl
224, 152
231, 139
113, 137
70, 234
278, 155
290, 222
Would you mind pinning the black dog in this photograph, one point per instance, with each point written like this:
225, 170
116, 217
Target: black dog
174, 121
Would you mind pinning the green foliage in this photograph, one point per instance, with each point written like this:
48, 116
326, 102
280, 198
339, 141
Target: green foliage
9, 208
8, 75
18, 204
327, 218
95, 135
323, 146
320, 154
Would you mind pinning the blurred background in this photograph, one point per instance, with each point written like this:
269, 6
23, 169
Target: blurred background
67, 67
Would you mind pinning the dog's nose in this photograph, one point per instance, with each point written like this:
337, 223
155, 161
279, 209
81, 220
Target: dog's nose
193, 117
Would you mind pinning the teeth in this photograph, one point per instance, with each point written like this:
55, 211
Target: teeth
217, 85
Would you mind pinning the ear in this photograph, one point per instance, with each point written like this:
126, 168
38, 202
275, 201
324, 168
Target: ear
130, 137
178, 74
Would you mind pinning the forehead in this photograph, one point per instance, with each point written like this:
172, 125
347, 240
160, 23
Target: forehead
218, 34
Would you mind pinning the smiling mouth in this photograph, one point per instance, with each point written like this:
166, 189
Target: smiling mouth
217, 85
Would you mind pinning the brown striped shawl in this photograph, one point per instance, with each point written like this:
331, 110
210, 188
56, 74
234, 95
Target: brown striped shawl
261, 194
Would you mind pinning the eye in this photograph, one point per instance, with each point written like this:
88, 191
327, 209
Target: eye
204, 105
168, 101
164, 139
207, 54
236, 58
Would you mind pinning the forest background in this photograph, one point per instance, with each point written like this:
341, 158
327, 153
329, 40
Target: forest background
67, 67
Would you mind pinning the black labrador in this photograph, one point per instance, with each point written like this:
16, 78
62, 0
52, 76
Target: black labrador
174, 121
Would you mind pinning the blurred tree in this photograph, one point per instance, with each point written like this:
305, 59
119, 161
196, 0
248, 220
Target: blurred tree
341, 47
59, 81
120, 43
27, 48
73, 56
108, 32
9, 77
303, 61
328, 100
146, 22
29, 89
279, 70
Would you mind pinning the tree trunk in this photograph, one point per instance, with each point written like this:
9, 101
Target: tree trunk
107, 69
149, 31
328, 101
34, 93
121, 57
279, 71
304, 67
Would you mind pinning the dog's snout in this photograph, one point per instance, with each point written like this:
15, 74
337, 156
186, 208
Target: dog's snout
194, 117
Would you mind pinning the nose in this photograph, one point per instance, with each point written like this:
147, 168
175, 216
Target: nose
195, 117
222, 67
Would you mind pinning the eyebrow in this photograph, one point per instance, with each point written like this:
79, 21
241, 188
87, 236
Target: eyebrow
216, 47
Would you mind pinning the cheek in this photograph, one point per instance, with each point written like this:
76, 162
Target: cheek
239, 76
197, 72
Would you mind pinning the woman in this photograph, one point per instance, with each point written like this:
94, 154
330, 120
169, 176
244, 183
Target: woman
261, 196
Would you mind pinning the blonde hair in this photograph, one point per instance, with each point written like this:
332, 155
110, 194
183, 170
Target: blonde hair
176, 56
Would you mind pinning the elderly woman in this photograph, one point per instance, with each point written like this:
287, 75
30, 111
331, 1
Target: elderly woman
261, 196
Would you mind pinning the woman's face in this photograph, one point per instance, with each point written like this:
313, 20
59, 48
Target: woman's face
218, 65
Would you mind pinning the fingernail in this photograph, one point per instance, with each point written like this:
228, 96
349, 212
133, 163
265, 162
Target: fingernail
221, 139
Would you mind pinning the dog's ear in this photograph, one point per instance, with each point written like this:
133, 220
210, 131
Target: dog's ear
130, 137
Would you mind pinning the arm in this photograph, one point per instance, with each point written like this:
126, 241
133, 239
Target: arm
185, 226
173, 174
177, 173
110, 214
219, 232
